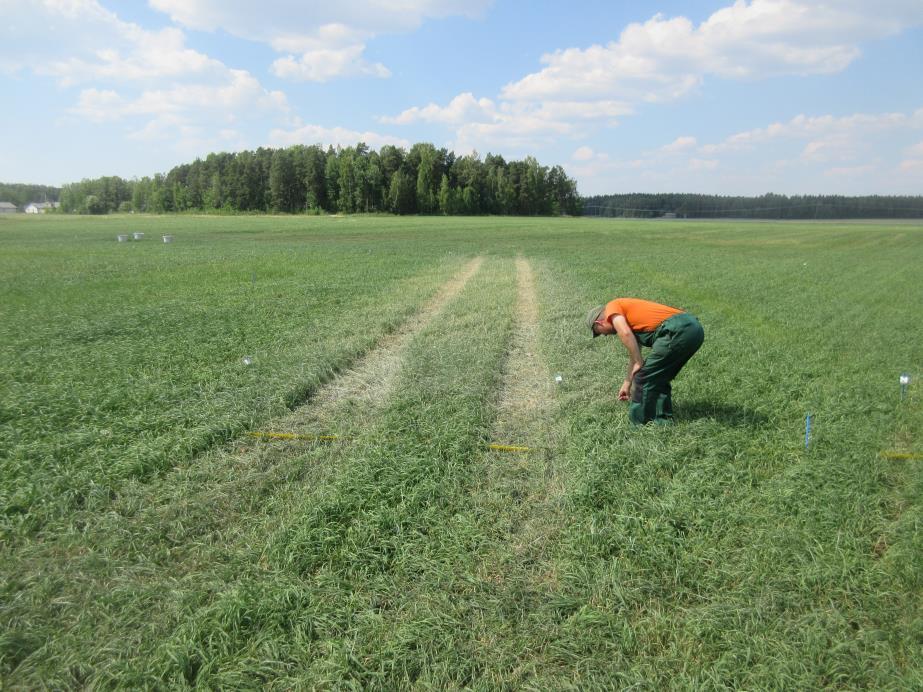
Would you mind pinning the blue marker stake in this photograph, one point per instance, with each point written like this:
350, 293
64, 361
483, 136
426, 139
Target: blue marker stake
807, 431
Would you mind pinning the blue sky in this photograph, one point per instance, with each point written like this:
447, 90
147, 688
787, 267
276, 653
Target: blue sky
747, 97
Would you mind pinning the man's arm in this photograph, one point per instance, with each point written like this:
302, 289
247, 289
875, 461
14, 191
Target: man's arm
634, 353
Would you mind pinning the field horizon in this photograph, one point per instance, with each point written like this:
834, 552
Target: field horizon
369, 451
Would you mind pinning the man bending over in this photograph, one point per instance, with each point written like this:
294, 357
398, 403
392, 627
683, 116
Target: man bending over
673, 337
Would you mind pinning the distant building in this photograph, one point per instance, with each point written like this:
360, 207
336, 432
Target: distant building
668, 215
7, 208
41, 207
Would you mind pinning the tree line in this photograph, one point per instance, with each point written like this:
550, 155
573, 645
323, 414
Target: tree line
769, 206
22, 195
297, 179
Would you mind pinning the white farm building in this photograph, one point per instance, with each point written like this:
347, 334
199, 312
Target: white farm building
7, 208
40, 207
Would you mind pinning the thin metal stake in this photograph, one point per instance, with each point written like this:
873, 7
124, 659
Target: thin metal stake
807, 431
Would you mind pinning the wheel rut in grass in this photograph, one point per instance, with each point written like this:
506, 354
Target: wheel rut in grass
526, 390
525, 485
346, 403
512, 514
362, 389
239, 479
342, 406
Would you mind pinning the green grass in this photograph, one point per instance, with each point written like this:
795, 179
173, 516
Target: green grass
146, 542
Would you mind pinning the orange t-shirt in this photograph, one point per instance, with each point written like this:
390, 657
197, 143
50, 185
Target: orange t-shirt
641, 315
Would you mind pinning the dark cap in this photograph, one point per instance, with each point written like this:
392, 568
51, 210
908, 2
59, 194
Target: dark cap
592, 316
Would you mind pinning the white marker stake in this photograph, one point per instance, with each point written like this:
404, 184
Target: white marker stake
905, 380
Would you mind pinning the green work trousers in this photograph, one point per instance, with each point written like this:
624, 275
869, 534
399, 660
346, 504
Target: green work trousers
674, 342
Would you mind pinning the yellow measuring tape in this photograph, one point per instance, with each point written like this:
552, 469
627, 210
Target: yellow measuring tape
328, 438
291, 436
900, 455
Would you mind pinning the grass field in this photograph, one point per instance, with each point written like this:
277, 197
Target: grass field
146, 540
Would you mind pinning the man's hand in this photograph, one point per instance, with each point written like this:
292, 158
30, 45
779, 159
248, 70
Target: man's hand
625, 391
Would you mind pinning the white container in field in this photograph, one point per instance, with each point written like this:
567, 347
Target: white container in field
248, 360
168, 239
122, 238
137, 236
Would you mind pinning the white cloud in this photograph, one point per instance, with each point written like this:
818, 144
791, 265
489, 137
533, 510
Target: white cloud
142, 55
240, 95
335, 136
606, 111
836, 147
272, 20
461, 109
679, 144
80, 41
702, 164
911, 166
512, 131
326, 36
482, 125
151, 81
601, 165
334, 51
583, 154
665, 58
851, 171
913, 161
325, 64
587, 163
674, 156
99, 105
827, 132
860, 153
165, 126
322, 40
